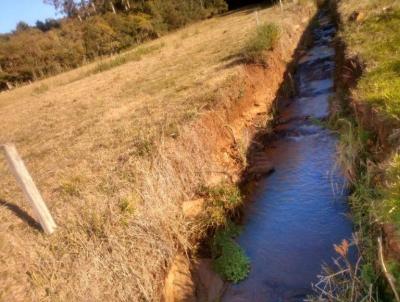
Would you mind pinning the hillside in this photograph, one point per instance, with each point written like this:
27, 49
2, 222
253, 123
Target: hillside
116, 146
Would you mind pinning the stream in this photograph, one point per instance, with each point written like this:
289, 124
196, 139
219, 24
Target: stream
299, 212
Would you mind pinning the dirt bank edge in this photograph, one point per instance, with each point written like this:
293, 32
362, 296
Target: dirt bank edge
378, 152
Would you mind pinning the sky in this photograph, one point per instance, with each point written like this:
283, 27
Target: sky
29, 11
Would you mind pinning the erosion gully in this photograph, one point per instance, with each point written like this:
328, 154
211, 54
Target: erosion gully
299, 212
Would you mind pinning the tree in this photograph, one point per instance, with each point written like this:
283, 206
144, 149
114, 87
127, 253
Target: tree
22, 26
68, 7
47, 25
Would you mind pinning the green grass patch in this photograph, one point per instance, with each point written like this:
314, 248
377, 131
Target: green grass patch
222, 201
374, 199
389, 205
375, 185
132, 56
229, 259
263, 39
40, 89
377, 41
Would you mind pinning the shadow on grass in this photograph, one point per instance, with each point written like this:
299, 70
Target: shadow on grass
22, 214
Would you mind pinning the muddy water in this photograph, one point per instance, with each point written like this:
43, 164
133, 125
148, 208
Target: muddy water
299, 211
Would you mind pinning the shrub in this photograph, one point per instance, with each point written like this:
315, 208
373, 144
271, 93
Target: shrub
100, 38
230, 261
125, 58
222, 202
264, 39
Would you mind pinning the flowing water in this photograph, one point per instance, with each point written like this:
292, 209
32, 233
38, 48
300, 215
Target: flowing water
299, 211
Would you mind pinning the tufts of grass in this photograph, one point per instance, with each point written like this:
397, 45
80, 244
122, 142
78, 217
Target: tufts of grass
42, 88
230, 261
128, 204
348, 281
375, 198
107, 65
353, 151
71, 187
143, 147
388, 208
380, 84
135, 55
263, 39
222, 200
359, 281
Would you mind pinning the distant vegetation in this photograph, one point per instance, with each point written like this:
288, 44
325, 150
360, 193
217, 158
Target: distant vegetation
91, 29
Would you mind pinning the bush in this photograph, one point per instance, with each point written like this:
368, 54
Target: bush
223, 200
264, 39
230, 261
100, 38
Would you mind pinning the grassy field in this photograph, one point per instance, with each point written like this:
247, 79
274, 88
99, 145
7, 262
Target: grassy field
115, 147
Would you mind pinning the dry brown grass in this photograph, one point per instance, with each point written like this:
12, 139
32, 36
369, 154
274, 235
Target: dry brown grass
115, 154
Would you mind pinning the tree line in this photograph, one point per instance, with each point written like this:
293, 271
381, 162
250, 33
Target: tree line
91, 28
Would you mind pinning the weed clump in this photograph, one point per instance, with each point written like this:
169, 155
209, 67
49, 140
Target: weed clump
230, 261
263, 39
387, 208
222, 201
123, 59
375, 199
380, 83
42, 88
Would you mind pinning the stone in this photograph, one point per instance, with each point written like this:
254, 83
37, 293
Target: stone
193, 208
261, 168
179, 285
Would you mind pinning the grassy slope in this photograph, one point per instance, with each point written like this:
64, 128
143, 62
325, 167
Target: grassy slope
89, 137
374, 38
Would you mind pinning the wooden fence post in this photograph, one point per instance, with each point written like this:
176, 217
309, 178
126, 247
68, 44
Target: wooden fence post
257, 18
29, 188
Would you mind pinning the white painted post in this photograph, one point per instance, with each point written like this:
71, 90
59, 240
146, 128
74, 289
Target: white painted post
257, 18
29, 188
